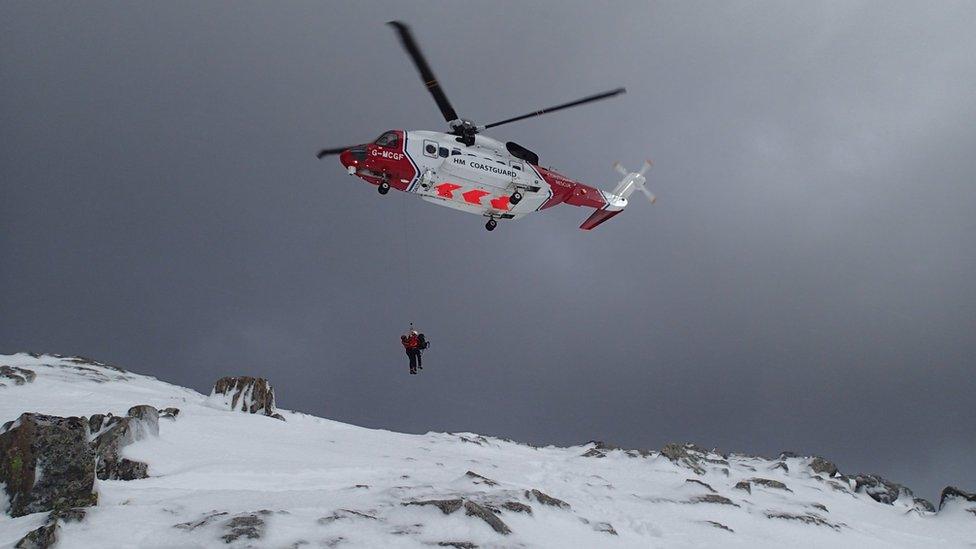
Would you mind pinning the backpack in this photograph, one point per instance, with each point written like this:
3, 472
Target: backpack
423, 341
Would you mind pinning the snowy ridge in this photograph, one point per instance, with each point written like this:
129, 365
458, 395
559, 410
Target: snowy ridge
221, 478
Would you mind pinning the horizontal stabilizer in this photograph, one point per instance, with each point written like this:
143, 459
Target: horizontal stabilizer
598, 217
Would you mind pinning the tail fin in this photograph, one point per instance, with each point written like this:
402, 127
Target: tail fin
617, 200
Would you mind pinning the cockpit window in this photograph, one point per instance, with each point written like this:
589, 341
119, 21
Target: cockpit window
388, 139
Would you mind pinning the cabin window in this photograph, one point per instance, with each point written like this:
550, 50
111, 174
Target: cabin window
388, 139
430, 149
455, 151
443, 152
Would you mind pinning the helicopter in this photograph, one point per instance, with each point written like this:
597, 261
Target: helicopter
465, 170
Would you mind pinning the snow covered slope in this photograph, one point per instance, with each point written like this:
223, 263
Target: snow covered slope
222, 478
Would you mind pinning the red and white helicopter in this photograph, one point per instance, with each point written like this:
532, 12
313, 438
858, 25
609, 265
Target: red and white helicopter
473, 173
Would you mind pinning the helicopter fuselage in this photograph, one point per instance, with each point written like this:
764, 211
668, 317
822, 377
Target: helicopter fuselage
483, 178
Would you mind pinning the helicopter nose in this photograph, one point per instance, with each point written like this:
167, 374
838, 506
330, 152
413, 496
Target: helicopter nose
349, 161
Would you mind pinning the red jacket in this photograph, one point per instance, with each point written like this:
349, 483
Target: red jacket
412, 342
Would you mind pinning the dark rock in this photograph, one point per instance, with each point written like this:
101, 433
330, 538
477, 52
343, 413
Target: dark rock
781, 465
118, 432
517, 507
55, 445
148, 415
194, 524
447, 506
822, 465
879, 488
688, 455
345, 514
478, 479
839, 486
713, 498
457, 544
743, 485
249, 526
546, 499
924, 505
603, 447
78, 359
42, 538
769, 483
593, 453
253, 395
820, 506
47, 535
95, 423
169, 413
75, 514
472, 509
951, 492
693, 481
806, 518
788, 454
604, 527
18, 376
719, 525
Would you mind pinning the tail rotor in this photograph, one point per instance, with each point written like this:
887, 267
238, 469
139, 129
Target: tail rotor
633, 181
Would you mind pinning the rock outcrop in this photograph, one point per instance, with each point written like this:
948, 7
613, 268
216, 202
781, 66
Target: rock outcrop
252, 395
47, 535
823, 466
246, 526
546, 499
951, 493
768, 483
806, 518
113, 433
600, 450
471, 509
15, 375
46, 464
879, 488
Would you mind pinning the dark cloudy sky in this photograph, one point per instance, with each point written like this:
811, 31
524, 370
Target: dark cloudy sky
806, 281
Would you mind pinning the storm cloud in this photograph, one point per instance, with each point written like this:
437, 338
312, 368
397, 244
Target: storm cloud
805, 280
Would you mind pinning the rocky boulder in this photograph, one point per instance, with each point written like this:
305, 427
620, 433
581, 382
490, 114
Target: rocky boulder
951, 493
46, 463
47, 535
252, 395
15, 375
923, 505
824, 466
880, 489
688, 455
113, 433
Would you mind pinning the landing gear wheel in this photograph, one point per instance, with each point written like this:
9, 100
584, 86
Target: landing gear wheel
491, 224
515, 198
383, 188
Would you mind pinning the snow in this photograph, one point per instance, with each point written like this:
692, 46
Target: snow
326, 483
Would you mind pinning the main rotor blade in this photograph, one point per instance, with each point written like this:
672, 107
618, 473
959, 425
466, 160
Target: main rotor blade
331, 152
589, 99
427, 75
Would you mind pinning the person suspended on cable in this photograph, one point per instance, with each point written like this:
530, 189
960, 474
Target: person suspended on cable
414, 343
